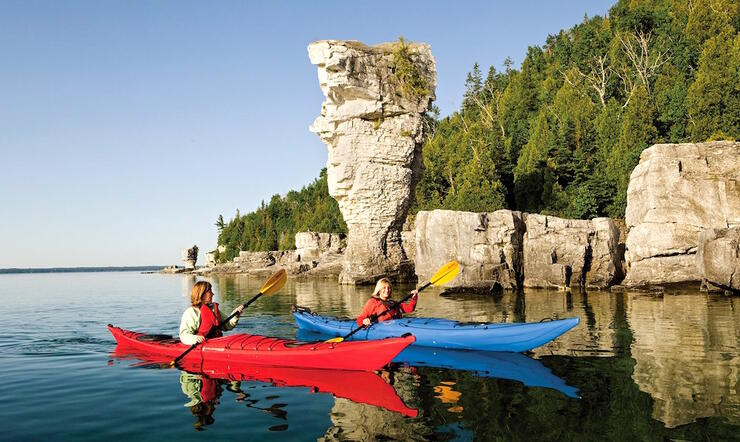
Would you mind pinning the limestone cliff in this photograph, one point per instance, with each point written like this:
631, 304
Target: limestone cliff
371, 121
718, 259
488, 247
560, 253
676, 192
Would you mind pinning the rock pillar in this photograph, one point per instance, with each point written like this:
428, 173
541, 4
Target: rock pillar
372, 124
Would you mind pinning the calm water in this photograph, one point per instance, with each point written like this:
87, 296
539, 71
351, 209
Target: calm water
645, 368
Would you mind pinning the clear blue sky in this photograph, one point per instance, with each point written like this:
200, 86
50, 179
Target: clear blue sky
127, 127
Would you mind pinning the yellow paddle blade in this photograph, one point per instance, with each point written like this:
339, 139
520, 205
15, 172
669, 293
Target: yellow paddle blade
446, 273
334, 340
275, 283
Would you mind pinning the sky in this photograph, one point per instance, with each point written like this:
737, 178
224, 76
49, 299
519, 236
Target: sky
127, 127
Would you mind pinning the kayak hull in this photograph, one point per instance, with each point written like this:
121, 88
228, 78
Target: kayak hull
248, 349
444, 333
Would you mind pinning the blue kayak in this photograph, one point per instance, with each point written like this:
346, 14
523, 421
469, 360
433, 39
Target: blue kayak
444, 333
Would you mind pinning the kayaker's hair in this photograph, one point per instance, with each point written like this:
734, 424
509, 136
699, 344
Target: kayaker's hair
196, 294
378, 285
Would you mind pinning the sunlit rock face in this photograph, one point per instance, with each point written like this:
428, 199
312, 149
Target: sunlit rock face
718, 259
560, 253
676, 192
312, 245
685, 348
373, 129
487, 246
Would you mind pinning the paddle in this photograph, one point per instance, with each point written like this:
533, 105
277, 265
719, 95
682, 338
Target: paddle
272, 286
445, 274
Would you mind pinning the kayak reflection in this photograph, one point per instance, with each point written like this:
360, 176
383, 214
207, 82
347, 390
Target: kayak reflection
358, 386
502, 365
202, 382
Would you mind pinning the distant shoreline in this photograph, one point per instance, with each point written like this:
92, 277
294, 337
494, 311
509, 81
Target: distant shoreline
81, 269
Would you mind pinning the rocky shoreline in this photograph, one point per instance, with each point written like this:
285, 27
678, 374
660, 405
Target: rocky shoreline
510, 250
682, 222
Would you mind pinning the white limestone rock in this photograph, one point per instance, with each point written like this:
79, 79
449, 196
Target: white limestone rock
718, 259
676, 192
190, 256
487, 246
313, 245
373, 129
559, 253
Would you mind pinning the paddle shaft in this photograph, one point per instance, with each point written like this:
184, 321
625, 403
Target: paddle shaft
221, 324
374, 317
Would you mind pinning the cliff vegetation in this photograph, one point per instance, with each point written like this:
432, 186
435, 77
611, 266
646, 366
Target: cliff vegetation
561, 134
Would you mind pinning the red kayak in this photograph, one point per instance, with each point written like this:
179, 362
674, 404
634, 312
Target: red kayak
245, 349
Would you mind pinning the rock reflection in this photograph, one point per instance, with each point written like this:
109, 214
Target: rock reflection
595, 336
652, 362
686, 352
352, 421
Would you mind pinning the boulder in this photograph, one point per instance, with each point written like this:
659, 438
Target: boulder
675, 193
312, 245
371, 122
718, 259
559, 253
487, 246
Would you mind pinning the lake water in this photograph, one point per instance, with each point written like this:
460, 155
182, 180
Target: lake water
638, 367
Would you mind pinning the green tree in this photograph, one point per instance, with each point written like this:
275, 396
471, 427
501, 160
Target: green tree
713, 100
637, 132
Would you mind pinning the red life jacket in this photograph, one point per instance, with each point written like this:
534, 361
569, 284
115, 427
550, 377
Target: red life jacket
375, 306
209, 320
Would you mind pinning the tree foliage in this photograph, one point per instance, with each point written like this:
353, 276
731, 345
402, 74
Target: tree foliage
562, 134
273, 225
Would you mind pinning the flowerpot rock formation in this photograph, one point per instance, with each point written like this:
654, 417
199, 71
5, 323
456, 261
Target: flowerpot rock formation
372, 124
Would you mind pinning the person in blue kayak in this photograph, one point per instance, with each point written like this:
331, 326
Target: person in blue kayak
381, 301
201, 320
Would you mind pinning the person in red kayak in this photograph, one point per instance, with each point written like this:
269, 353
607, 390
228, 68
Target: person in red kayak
201, 320
381, 301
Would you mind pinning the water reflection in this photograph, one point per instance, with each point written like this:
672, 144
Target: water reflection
674, 358
685, 348
203, 393
512, 366
203, 383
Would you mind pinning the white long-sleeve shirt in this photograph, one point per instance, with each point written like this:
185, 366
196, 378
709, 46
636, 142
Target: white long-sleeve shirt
190, 322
